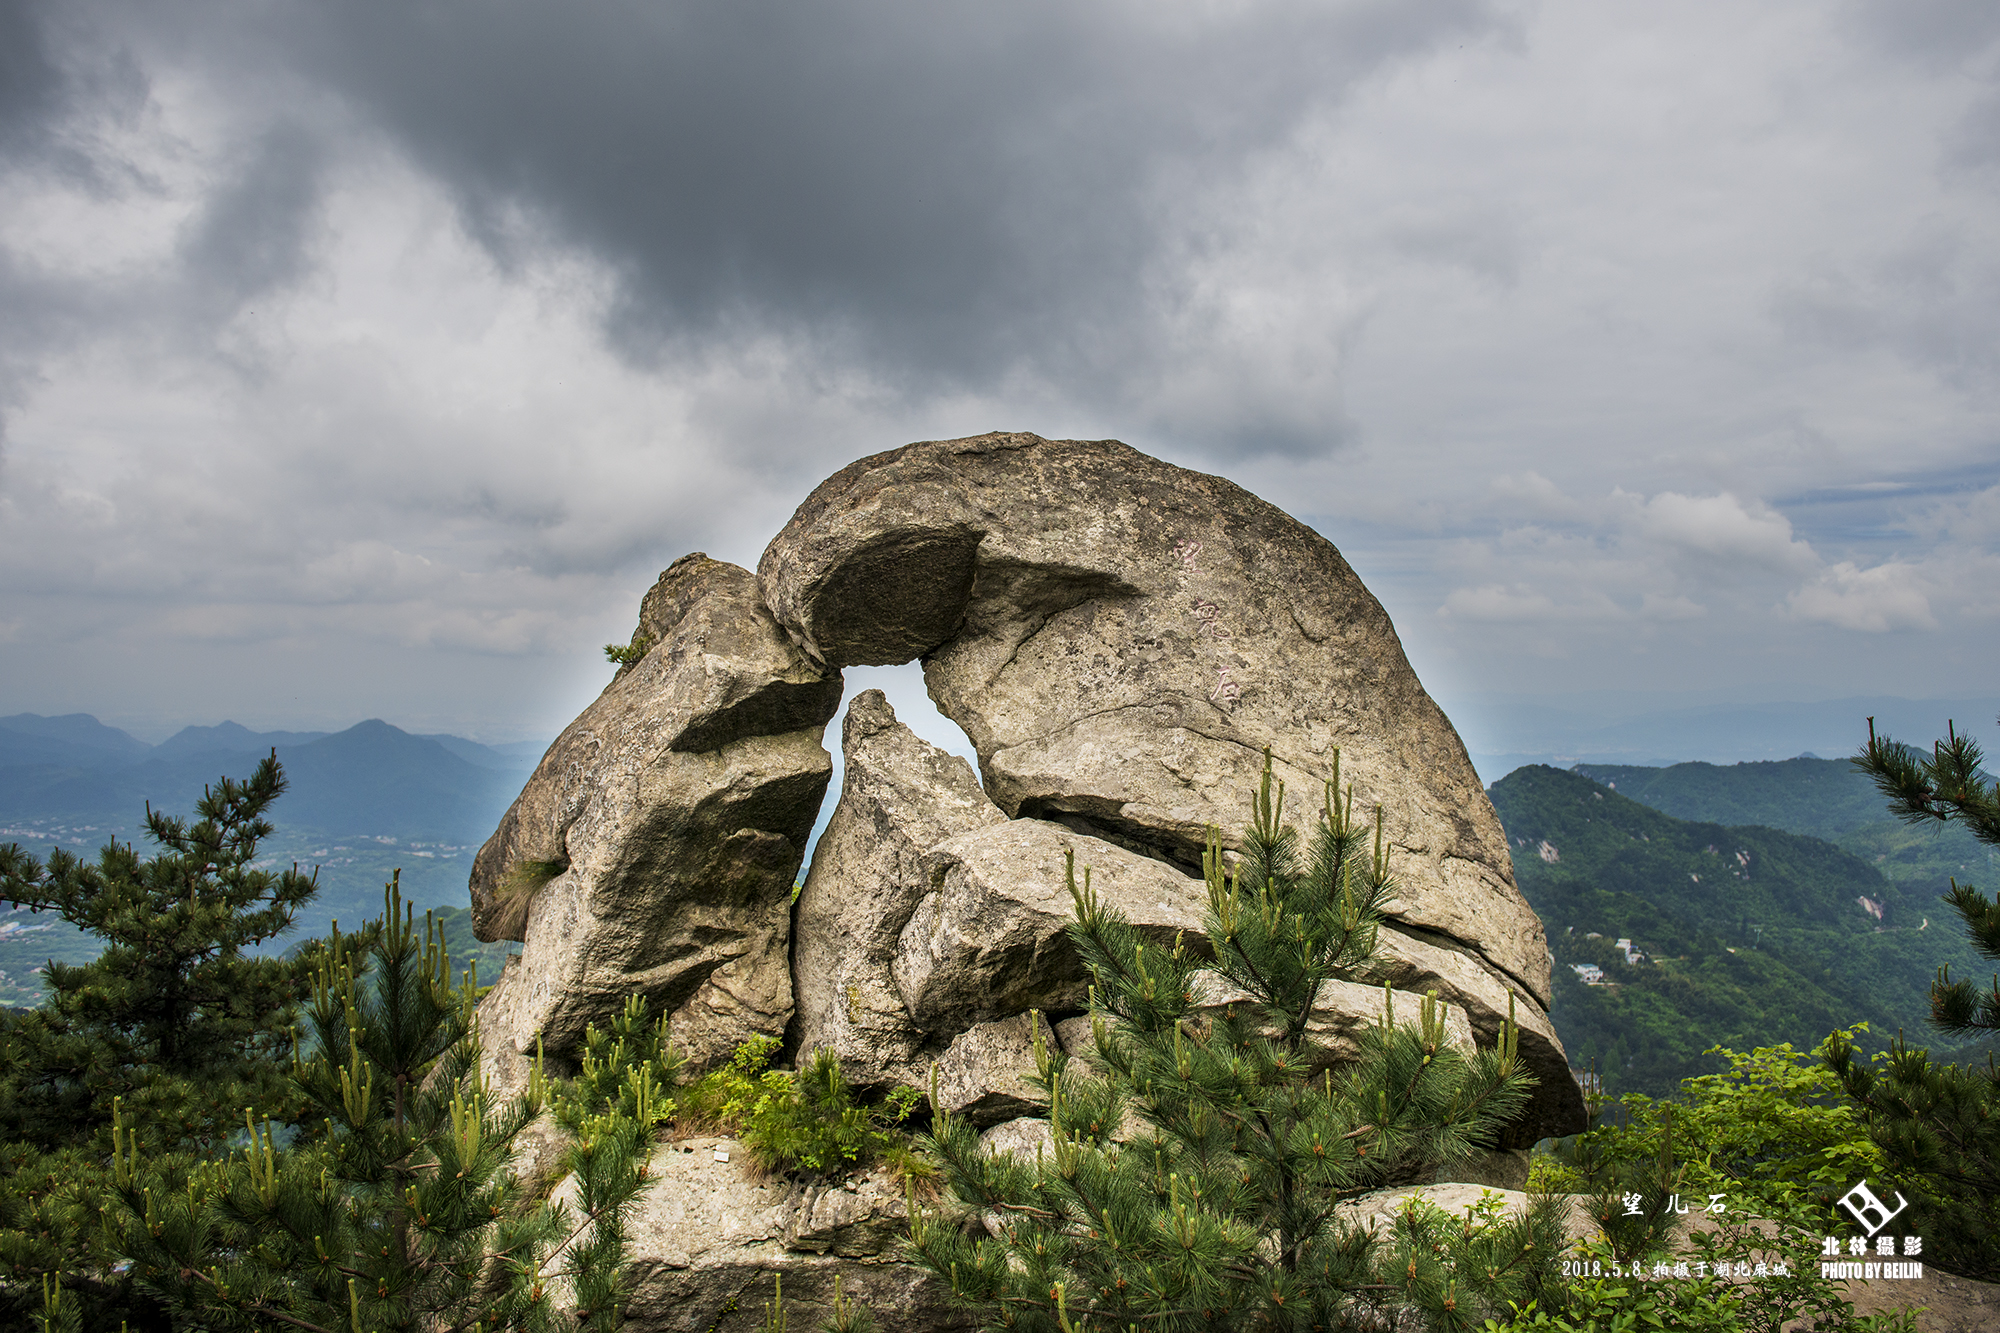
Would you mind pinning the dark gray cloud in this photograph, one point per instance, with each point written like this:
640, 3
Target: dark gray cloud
354, 332
30, 82
945, 193
255, 232
1957, 38
1940, 34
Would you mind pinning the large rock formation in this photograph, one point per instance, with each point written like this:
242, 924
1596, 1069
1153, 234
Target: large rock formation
1122, 639
899, 797
655, 847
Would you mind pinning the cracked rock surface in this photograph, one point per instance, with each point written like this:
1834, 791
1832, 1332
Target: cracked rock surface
707, 1237
654, 848
1122, 640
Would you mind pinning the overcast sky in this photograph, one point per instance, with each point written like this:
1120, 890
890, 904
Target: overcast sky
371, 358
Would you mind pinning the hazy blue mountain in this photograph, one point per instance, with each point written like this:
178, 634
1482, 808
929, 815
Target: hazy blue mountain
1505, 732
372, 779
77, 729
515, 757
228, 738
76, 740
360, 805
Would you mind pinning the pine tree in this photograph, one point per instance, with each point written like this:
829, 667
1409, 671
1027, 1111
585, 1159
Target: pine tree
1215, 1207
175, 1021
402, 1212
1939, 1124
176, 1016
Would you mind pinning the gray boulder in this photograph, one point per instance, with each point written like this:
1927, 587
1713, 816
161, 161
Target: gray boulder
1024, 1138
1122, 639
707, 1237
989, 940
655, 847
982, 1075
900, 796
1377, 1210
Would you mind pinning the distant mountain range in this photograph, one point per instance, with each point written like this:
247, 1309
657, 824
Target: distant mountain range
1504, 732
360, 805
1754, 930
1774, 900
370, 779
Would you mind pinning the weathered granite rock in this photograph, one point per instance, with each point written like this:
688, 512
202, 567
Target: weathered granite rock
1341, 1011
988, 941
1023, 1137
982, 1075
1376, 1211
1121, 639
674, 812
707, 1237
900, 796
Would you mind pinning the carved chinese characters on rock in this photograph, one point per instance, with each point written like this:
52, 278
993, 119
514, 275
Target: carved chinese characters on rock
1208, 625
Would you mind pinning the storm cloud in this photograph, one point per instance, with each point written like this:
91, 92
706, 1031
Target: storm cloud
386, 350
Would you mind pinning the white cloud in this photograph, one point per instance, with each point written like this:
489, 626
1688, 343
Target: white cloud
1497, 603
1674, 606
1888, 597
1658, 558
1531, 495
1724, 529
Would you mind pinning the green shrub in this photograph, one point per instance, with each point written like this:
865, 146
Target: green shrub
622, 655
1936, 1124
806, 1122
1222, 1210
633, 1061
1611, 1299
1547, 1174
1771, 1133
398, 1207
718, 1101
814, 1126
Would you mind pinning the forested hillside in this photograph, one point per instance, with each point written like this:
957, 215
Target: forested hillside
1751, 935
1826, 798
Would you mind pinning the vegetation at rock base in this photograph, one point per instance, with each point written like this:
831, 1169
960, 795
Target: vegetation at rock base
1771, 1132
1751, 936
1938, 1124
804, 1123
177, 1155
1756, 1155
1219, 1210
